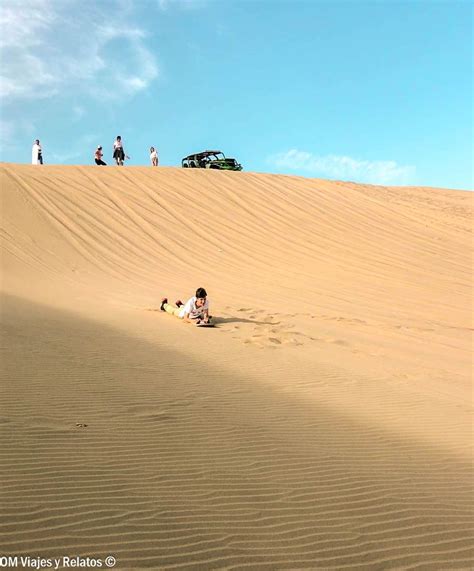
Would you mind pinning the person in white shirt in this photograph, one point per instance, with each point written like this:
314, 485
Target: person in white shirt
153, 157
196, 309
36, 153
119, 153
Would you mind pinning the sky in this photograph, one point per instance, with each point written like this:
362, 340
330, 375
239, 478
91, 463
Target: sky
375, 92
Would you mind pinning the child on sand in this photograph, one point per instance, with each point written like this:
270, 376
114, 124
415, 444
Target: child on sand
98, 156
196, 309
153, 157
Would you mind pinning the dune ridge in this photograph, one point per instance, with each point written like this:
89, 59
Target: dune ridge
325, 423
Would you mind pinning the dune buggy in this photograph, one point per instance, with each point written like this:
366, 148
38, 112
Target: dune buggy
211, 160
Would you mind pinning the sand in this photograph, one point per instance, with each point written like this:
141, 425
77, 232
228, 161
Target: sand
324, 423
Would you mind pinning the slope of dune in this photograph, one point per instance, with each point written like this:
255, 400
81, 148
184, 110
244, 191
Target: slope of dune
325, 423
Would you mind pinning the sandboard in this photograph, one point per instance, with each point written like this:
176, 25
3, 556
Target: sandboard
204, 324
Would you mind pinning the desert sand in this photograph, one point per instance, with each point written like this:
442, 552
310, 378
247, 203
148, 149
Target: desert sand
324, 423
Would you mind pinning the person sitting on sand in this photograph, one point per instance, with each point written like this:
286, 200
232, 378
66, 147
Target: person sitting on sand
98, 156
196, 309
153, 157
119, 153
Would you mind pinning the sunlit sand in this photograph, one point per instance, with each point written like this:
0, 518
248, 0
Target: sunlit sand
324, 423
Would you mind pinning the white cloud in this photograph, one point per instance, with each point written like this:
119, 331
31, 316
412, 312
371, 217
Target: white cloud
185, 4
344, 168
51, 47
23, 23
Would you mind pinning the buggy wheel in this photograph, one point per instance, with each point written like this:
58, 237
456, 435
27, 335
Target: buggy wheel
192, 164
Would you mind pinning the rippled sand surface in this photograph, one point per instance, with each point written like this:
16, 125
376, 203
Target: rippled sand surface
324, 423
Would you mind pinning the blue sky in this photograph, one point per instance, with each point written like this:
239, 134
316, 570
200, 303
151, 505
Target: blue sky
377, 92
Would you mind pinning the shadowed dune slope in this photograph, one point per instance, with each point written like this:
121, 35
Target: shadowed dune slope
325, 423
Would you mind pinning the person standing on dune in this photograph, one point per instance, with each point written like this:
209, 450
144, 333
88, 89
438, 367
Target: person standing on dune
37, 153
119, 153
196, 309
153, 157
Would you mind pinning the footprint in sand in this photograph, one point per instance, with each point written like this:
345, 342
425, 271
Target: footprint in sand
269, 330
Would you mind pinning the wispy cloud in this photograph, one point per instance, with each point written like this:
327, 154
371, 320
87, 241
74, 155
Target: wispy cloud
51, 47
74, 152
343, 168
184, 4
9, 130
78, 112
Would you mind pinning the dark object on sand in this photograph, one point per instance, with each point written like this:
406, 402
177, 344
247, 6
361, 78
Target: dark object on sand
210, 160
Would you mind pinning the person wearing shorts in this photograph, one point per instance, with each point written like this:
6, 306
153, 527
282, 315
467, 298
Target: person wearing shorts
153, 157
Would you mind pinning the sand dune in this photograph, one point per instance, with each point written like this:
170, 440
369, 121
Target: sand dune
325, 423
